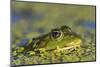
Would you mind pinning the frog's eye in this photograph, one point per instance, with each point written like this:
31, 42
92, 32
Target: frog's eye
56, 34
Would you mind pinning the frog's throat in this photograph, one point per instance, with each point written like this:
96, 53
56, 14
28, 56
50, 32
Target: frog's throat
74, 44
67, 48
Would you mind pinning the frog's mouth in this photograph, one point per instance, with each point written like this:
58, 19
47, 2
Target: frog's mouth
70, 48
74, 45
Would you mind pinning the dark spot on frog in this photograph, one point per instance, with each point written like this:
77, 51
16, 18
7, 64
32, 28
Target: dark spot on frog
66, 29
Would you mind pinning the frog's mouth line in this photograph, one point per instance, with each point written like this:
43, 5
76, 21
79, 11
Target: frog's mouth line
69, 48
76, 45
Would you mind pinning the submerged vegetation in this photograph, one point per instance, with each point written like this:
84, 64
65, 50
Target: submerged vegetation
31, 20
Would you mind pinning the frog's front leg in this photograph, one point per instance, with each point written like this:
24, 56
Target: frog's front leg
30, 46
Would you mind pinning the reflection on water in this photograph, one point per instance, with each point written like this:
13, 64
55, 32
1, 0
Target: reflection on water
87, 24
26, 14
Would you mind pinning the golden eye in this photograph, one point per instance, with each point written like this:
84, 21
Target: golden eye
56, 34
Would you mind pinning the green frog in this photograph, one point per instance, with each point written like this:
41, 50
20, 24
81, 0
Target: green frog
62, 38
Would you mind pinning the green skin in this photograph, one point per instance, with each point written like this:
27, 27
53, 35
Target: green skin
61, 38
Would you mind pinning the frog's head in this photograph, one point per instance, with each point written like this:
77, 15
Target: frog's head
63, 37
59, 34
63, 32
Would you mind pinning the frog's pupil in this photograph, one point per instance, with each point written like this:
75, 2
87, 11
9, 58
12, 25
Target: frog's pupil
56, 34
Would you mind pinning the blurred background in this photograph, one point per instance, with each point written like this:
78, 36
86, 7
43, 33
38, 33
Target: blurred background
32, 19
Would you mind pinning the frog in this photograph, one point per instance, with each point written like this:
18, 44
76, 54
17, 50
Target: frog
62, 38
